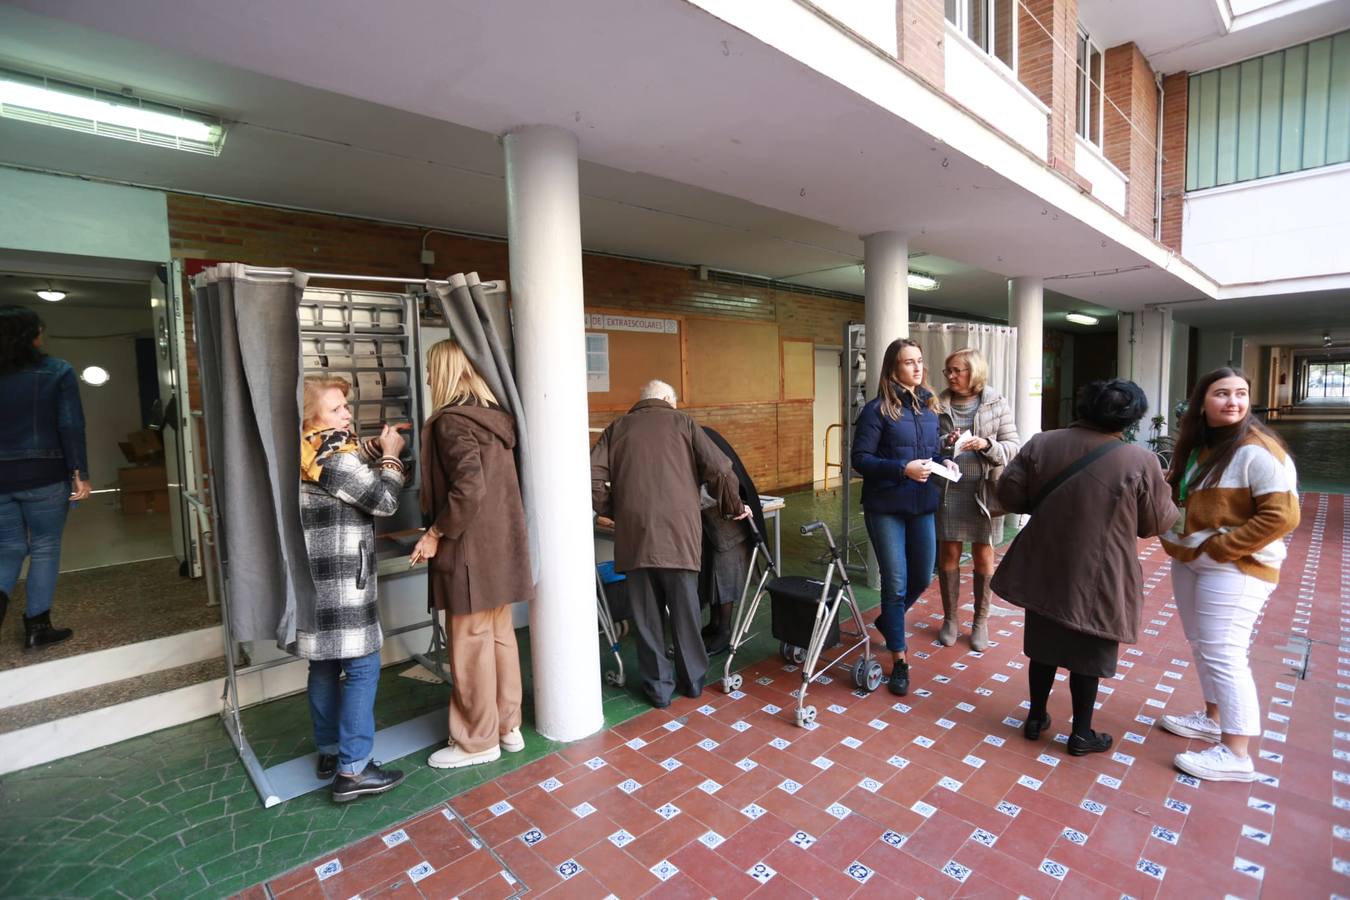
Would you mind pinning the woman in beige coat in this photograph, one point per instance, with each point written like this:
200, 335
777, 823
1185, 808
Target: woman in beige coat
477, 555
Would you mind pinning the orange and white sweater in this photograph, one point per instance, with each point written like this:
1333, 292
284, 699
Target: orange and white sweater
1242, 515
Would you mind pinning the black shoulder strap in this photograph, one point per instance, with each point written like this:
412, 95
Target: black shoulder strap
1072, 470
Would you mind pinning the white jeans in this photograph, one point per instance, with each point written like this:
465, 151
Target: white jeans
1219, 605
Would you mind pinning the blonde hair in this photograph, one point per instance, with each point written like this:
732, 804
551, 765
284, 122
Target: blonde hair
454, 380
979, 368
315, 385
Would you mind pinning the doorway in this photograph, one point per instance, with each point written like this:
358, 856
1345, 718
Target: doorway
826, 413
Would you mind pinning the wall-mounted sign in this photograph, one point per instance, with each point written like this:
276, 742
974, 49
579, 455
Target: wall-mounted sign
609, 322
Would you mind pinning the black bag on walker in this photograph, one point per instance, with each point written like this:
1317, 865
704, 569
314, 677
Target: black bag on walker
616, 591
795, 598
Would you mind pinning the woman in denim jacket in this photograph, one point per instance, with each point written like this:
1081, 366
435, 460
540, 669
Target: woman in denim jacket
43, 467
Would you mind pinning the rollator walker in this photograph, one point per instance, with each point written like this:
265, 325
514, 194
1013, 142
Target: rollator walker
805, 616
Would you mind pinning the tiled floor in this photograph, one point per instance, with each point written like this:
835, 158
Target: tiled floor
938, 795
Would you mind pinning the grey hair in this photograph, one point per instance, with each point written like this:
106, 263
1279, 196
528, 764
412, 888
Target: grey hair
658, 390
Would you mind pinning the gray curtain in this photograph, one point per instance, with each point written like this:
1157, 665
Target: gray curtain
466, 312
248, 340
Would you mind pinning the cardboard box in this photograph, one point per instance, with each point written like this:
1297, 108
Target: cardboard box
141, 502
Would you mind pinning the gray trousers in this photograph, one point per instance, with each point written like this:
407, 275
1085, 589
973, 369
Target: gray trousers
658, 595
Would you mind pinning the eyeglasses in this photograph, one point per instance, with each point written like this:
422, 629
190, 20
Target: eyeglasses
951, 372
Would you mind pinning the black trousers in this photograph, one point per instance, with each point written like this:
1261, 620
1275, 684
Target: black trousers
658, 596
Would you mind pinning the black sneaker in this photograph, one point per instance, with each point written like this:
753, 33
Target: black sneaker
326, 767
1033, 727
899, 682
1097, 742
373, 780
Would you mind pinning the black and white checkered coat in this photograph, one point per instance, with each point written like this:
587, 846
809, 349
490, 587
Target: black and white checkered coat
337, 516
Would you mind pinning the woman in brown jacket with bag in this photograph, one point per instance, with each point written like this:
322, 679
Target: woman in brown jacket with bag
477, 555
1074, 568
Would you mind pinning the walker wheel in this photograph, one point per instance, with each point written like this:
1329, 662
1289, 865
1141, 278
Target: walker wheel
614, 678
792, 653
621, 628
874, 676
731, 683
805, 716
859, 672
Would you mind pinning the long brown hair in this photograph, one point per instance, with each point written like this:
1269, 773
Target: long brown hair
1196, 434
891, 393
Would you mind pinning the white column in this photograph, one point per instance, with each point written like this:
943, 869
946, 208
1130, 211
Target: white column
544, 230
886, 315
886, 297
1026, 313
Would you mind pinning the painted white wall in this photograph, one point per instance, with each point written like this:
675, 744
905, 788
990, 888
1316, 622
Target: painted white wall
825, 412
54, 214
1290, 226
990, 90
1109, 185
1180, 387
111, 411
1144, 342
873, 19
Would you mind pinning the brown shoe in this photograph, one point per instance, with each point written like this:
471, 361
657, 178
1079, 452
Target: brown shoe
949, 582
979, 628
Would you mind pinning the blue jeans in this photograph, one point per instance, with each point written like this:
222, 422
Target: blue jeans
31, 522
344, 712
906, 548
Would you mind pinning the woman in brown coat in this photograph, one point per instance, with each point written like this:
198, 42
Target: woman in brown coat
477, 555
1074, 567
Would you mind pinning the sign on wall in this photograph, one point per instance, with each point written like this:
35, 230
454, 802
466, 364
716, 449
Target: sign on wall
609, 322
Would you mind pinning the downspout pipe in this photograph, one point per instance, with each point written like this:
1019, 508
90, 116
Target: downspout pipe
1158, 161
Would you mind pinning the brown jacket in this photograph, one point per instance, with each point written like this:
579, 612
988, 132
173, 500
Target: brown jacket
1076, 562
471, 490
645, 473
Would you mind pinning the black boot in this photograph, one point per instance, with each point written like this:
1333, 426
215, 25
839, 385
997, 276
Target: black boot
4, 607
899, 681
38, 631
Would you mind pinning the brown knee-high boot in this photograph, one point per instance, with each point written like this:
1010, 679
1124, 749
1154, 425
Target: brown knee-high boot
979, 631
949, 582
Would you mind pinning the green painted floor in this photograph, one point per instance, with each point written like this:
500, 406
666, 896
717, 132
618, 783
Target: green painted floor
172, 814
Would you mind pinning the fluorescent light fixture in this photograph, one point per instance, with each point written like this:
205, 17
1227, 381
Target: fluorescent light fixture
95, 376
921, 282
45, 101
52, 296
1081, 318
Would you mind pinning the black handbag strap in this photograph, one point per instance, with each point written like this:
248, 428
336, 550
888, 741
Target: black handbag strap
1072, 470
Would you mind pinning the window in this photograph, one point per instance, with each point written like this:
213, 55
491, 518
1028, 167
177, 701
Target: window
1283, 112
1090, 75
1327, 379
991, 24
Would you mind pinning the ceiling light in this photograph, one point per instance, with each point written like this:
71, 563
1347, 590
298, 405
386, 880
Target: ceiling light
921, 282
45, 101
52, 296
1081, 318
95, 376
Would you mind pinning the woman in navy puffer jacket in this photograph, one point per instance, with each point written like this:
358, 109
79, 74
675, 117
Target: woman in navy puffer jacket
895, 448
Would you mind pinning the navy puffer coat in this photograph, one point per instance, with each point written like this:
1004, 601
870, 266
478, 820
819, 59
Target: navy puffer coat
883, 446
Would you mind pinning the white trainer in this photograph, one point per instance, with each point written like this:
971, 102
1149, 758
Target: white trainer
512, 741
1216, 763
455, 757
1193, 725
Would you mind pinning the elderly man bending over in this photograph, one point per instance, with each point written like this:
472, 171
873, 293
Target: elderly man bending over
645, 475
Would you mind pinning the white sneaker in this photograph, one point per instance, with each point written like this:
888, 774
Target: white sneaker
454, 757
1193, 725
512, 741
1216, 763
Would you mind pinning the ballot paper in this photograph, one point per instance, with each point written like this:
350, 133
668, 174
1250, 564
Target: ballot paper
964, 442
395, 384
942, 471
368, 385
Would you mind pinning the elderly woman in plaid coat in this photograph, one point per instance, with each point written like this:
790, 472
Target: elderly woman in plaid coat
345, 483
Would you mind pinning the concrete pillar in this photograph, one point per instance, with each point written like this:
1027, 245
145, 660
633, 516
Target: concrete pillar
1026, 313
886, 293
886, 314
544, 231
1145, 357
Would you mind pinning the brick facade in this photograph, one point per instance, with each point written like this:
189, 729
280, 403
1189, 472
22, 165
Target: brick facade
921, 37
773, 439
1175, 100
1130, 130
1049, 73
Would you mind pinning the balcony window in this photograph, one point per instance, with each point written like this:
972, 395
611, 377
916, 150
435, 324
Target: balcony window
990, 24
1091, 74
1283, 112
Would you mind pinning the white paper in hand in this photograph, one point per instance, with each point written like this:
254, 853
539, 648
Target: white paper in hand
964, 442
942, 471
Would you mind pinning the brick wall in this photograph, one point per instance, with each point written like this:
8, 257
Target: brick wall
1131, 127
1050, 73
920, 35
1175, 99
773, 439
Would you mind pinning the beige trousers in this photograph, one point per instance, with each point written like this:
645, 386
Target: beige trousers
485, 666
